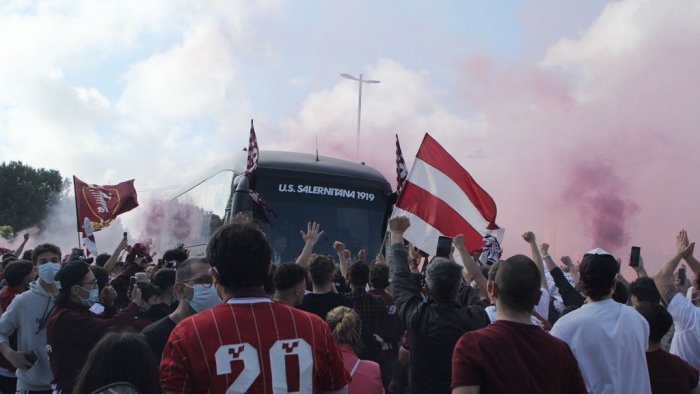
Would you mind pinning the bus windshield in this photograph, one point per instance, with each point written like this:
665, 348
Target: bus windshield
350, 214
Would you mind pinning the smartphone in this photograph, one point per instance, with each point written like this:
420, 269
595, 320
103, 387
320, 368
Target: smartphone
140, 277
78, 252
124, 234
444, 247
681, 276
634, 256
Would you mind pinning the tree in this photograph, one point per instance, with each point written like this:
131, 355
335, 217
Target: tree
26, 194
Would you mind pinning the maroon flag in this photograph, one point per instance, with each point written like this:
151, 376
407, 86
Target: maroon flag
401, 169
258, 199
102, 204
252, 150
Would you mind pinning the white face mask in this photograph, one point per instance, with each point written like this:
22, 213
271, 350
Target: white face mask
204, 297
92, 297
47, 272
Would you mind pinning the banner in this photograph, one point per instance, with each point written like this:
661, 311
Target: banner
102, 204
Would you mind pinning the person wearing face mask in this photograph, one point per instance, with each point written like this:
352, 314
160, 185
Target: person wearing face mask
72, 330
195, 292
26, 316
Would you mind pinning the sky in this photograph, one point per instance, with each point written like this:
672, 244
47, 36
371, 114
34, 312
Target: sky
579, 118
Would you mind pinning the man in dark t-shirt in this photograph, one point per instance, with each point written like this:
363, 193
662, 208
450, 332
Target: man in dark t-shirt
668, 373
513, 355
323, 298
191, 275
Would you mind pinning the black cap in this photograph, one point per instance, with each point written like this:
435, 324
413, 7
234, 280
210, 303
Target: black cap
71, 274
598, 269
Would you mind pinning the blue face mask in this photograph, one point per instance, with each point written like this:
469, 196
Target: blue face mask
204, 297
47, 272
92, 298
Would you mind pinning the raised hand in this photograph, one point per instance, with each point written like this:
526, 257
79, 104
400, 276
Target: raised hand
544, 248
399, 224
362, 255
458, 242
684, 248
312, 233
339, 247
529, 237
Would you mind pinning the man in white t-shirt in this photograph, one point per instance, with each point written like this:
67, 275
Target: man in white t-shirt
685, 312
608, 339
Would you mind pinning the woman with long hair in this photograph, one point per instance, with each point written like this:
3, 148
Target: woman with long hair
346, 326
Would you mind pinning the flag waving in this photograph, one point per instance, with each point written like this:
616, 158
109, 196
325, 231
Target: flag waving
441, 198
252, 150
401, 169
89, 238
102, 204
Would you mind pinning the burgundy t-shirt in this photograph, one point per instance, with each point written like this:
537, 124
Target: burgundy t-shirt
668, 373
510, 357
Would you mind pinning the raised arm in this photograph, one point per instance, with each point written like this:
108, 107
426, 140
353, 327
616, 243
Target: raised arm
310, 237
109, 265
471, 266
664, 280
19, 250
406, 290
344, 262
692, 262
529, 237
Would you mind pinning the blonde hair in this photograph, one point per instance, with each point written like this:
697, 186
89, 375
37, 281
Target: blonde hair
346, 326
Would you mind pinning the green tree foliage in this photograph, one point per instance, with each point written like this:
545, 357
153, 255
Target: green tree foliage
26, 194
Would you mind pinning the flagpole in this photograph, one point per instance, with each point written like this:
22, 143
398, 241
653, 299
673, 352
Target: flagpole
77, 219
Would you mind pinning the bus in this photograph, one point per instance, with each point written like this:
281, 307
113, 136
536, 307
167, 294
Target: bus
351, 201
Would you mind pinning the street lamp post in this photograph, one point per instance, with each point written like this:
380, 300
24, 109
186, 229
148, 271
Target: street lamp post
360, 81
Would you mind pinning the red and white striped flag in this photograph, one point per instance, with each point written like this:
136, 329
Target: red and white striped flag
252, 150
441, 198
401, 169
89, 238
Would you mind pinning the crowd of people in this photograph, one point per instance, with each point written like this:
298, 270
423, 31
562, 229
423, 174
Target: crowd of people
234, 322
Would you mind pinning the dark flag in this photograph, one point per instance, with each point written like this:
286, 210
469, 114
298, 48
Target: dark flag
102, 204
252, 150
401, 169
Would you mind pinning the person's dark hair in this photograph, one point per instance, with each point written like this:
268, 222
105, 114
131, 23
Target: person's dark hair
148, 290
240, 254
101, 276
645, 290
321, 269
101, 259
443, 277
659, 319
288, 275
164, 278
7, 258
70, 274
119, 357
379, 276
178, 255
16, 271
518, 281
43, 248
27, 255
620, 294
359, 275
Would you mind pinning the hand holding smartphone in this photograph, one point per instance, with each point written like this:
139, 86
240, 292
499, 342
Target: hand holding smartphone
634, 256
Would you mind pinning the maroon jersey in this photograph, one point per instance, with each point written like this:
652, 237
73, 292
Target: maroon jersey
252, 345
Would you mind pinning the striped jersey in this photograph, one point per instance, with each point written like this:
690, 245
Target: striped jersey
252, 345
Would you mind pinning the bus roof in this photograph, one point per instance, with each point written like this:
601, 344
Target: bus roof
292, 161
